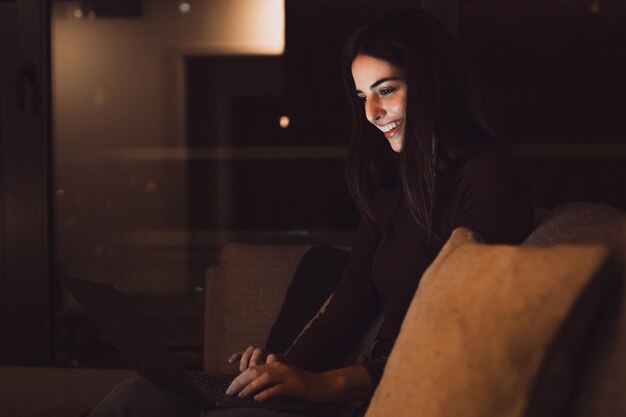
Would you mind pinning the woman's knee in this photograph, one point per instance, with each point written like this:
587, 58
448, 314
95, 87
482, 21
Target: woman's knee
138, 397
133, 388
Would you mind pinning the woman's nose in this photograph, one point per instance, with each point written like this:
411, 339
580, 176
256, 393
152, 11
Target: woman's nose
373, 110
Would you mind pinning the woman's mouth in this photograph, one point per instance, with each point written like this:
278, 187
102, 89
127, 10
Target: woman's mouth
391, 129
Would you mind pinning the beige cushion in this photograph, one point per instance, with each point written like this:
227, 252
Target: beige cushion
601, 384
569, 222
244, 294
478, 331
601, 376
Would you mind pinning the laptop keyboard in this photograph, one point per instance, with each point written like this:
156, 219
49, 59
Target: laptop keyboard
216, 385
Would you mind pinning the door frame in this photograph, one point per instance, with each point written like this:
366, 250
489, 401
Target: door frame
25, 183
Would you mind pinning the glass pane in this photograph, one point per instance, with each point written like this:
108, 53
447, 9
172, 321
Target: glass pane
131, 107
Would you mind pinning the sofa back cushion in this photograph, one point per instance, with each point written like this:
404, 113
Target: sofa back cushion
601, 375
243, 296
569, 222
481, 329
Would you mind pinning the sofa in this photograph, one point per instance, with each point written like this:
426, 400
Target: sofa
541, 330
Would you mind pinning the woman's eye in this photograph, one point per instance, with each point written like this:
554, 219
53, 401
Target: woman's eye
362, 98
386, 91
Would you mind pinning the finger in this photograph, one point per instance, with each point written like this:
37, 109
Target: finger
256, 356
273, 359
235, 357
245, 358
256, 385
242, 380
274, 391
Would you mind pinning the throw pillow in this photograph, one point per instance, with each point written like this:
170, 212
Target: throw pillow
481, 328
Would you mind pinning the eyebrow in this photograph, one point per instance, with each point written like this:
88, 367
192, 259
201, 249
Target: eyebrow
379, 82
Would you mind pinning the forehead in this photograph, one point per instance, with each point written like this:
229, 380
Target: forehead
366, 70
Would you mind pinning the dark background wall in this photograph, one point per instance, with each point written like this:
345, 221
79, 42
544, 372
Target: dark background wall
553, 77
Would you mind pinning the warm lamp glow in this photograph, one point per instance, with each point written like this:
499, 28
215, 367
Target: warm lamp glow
184, 7
284, 122
262, 24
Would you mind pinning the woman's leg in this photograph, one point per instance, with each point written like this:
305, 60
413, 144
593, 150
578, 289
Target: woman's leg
138, 397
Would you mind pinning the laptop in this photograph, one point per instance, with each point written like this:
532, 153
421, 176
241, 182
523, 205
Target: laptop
140, 347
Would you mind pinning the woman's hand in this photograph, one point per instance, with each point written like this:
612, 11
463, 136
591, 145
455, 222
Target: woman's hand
278, 377
252, 356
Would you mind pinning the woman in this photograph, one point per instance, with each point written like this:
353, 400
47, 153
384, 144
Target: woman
434, 166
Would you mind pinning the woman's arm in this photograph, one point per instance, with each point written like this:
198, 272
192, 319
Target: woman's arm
351, 383
354, 304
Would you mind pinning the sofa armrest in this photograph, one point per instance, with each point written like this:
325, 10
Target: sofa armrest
243, 296
55, 392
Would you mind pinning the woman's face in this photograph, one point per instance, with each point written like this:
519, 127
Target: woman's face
382, 86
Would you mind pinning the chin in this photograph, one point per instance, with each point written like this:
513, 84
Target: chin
396, 145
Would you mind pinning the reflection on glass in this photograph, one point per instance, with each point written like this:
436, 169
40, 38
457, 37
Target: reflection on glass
120, 81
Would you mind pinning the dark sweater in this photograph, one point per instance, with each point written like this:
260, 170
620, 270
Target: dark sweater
489, 195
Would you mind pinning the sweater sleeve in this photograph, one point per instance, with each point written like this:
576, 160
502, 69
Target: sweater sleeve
375, 369
354, 304
495, 202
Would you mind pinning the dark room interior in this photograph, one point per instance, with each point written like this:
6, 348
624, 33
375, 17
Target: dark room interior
139, 138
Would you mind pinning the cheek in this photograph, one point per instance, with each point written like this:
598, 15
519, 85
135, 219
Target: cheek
400, 107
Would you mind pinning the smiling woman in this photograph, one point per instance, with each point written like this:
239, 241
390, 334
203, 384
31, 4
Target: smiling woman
432, 94
382, 87
435, 166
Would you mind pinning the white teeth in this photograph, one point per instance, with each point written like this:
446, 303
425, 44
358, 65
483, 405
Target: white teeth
391, 126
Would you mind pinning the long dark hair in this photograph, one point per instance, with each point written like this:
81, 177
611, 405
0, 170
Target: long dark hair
444, 120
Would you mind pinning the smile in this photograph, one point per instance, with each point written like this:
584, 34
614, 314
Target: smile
391, 129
